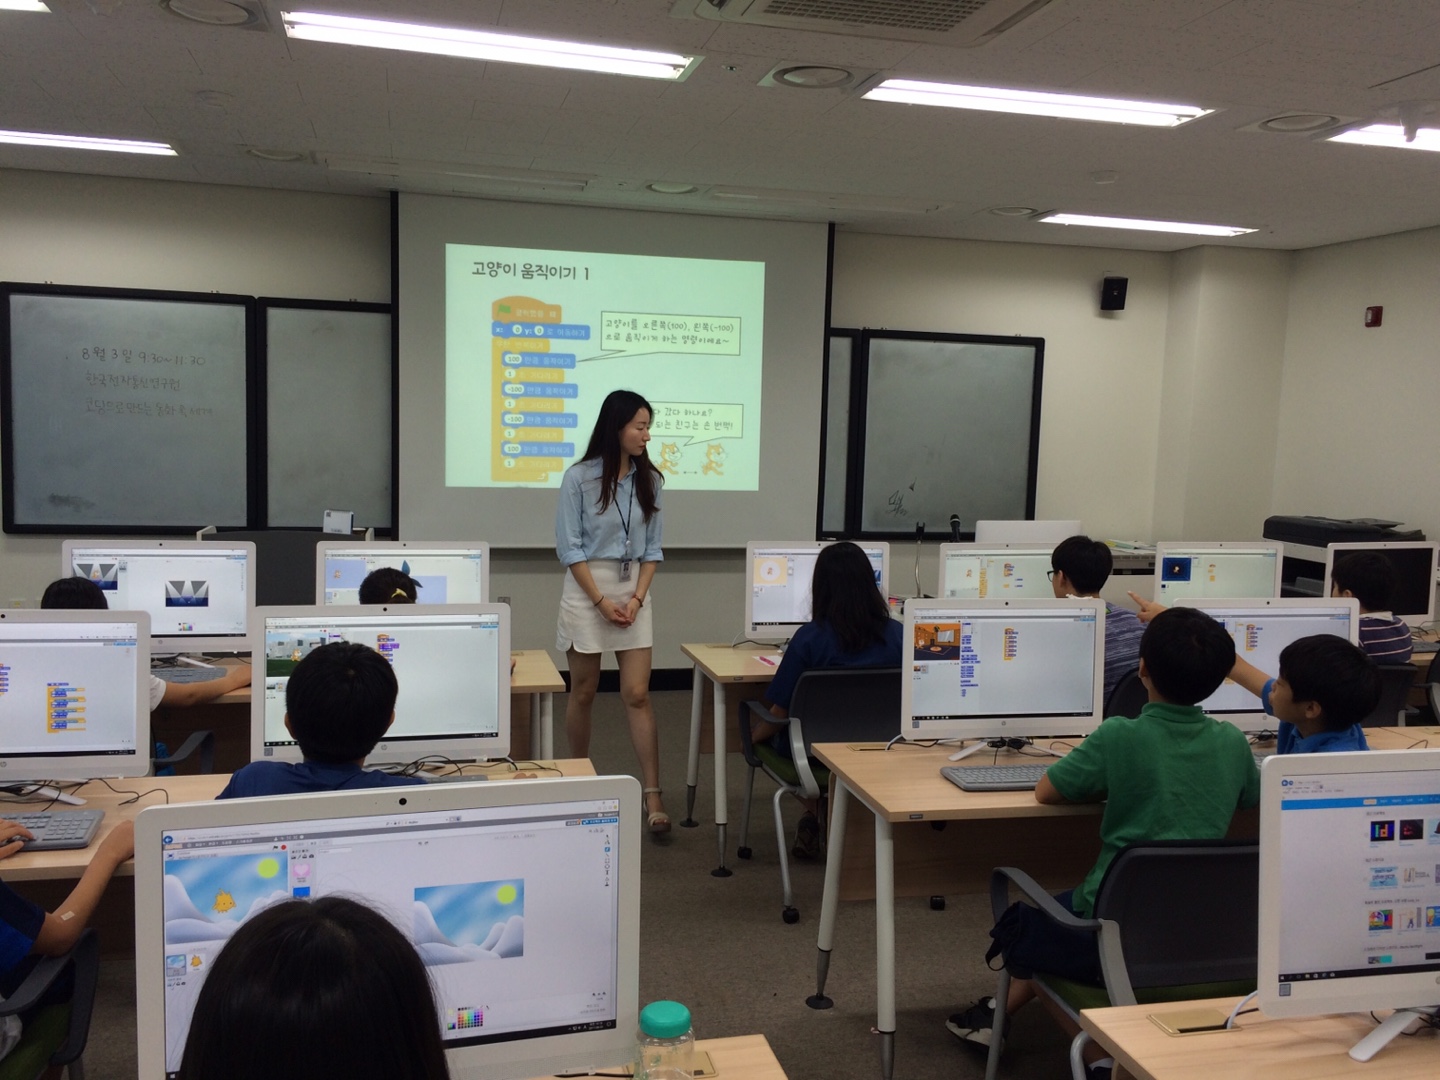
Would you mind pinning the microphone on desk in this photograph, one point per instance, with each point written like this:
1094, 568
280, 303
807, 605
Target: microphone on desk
955, 528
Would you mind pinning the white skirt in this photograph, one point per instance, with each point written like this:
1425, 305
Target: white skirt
581, 626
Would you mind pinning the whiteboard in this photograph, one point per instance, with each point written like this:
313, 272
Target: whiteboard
951, 426
124, 411
327, 377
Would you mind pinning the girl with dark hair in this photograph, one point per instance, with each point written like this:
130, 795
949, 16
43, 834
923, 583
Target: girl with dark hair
850, 627
311, 988
607, 534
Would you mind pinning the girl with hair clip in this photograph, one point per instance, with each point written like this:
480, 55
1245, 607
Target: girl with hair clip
311, 988
850, 627
607, 535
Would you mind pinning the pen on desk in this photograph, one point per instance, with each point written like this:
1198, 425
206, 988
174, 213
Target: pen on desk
766, 660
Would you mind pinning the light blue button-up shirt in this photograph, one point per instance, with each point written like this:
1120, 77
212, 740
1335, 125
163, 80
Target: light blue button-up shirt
583, 533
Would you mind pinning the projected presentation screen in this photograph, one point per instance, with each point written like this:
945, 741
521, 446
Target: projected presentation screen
453, 667
198, 595
989, 571
1261, 629
74, 695
446, 573
535, 339
992, 668
777, 600
1219, 570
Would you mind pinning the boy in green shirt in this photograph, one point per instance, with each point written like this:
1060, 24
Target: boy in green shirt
1172, 773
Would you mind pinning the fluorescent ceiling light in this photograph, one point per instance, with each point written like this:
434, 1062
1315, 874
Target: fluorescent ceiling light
1030, 103
86, 142
1390, 135
22, 5
481, 45
1143, 225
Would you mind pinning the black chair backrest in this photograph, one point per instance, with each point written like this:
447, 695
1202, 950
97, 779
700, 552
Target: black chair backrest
1187, 910
1128, 697
848, 705
1395, 683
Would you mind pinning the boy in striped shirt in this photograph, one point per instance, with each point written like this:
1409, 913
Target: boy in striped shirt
1370, 579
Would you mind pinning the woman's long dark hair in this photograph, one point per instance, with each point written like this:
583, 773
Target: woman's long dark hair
617, 410
312, 988
843, 593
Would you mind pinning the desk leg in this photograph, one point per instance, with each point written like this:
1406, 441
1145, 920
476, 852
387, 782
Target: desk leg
547, 725
721, 790
692, 767
830, 898
885, 944
537, 729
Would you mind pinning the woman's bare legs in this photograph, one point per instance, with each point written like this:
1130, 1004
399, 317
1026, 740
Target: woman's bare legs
584, 681
635, 693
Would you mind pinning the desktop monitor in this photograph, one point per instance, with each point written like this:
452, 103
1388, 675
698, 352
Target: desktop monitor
1414, 562
995, 571
1025, 531
522, 898
452, 663
986, 669
198, 595
1349, 896
74, 695
447, 573
1220, 570
1261, 628
777, 596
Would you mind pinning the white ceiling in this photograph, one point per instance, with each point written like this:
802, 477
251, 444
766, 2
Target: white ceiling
134, 70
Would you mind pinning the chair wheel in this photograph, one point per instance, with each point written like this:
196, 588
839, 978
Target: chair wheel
790, 915
937, 903
743, 852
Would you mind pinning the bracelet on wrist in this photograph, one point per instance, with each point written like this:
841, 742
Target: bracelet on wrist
599, 602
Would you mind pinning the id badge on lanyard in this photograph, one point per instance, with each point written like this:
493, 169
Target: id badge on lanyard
625, 522
625, 569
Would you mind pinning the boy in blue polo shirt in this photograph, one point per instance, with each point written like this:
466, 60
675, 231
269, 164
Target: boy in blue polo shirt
339, 702
1325, 688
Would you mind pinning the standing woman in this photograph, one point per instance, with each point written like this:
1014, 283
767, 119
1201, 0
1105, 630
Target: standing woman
607, 534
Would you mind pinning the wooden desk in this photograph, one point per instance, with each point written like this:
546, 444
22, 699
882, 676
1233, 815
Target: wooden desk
743, 1057
1402, 738
903, 786
1258, 1048
746, 668
532, 715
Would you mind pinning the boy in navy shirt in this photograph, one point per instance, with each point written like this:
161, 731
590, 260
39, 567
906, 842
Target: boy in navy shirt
339, 702
1325, 688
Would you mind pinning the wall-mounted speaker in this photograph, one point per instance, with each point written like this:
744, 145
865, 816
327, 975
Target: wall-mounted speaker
1112, 293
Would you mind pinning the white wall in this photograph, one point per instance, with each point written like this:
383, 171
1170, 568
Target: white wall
1359, 407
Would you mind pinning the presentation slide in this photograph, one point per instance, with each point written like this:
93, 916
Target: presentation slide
535, 339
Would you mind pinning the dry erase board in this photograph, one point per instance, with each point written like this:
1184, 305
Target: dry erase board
939, 425
327, 371
124, 411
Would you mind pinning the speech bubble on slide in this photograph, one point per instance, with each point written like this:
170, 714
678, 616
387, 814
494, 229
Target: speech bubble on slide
636, 333
686, 422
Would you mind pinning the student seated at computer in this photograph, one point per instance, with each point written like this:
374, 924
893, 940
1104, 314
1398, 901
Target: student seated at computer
310, 988
82, 594
1081, 568
1172, 773
387, 585
1370, 578
28, 932
1326, 686
850, 627
339, 702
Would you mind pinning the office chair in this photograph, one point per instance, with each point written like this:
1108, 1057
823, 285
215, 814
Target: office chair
56, 1035
836, 705
1128, 696
1175, 920
1395, 683
1432, 684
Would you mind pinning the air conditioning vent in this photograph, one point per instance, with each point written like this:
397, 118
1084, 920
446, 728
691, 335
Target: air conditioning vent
940, 22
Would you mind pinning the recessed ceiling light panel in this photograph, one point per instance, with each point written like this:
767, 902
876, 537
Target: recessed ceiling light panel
484, 45
1034, 103
86, 142
1144, 225
22, 5
1392, 135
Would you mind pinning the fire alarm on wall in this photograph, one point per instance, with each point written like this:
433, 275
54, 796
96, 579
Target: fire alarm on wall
1373, 315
